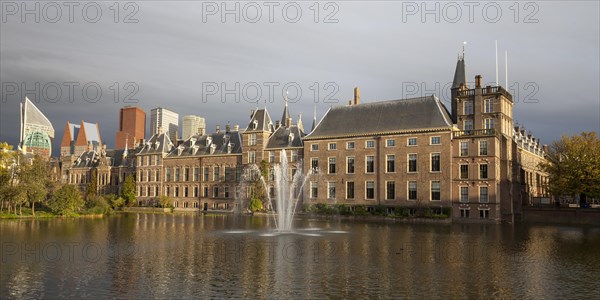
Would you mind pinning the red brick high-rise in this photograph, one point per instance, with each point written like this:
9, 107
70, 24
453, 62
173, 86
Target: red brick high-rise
132, 127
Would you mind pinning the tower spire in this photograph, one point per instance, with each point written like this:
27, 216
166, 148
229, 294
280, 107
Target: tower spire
286, 113
314, 124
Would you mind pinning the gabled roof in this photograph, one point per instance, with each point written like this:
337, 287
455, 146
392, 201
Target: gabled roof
158, 143
262, 119
423, 113
220, 143
92, 159
281, 138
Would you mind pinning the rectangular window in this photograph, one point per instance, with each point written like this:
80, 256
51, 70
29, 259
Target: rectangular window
464, 194
252, 139
350, 164
350, 145
215, 192
314, 147
483, 171
483, 148
370, 161
349, 189
331, 190
468, 108
370, 144
167, 174
206, 173
217, 173
185, 192
226, 192
412, 163
196, 174
314, 189
488, 106
167, 191
484, 214
157, 160
390, 190
314, 164
411, 142
176, 170
370, 190
195, 191
294, 155
390, 163
176, 191
251, 157
464, 148
435, 191
435, 140
435, 162
186, 174
390, 143
206, 191
489, 123
271, 156
464, 171
468, 126
332, 146
483, 194
332, 162
464, 213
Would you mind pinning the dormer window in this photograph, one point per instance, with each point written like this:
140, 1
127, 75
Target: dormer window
229, 147
192, 142
156, 145
290, 138
208, 141
212, 148
254, 124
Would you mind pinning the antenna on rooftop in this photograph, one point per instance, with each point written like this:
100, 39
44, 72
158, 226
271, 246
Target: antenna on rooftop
496, 62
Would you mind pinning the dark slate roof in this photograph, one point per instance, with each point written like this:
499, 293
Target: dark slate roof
158, 143
198, 145
423, 113
286, 114
87, 159
281, 138
263, 121
460, 74
90, 159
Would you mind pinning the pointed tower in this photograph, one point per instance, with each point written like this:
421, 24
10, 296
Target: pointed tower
286, 114
299, 124
460, 81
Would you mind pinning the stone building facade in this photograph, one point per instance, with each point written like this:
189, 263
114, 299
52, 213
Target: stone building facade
409, 153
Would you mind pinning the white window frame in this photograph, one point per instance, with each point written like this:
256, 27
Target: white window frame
411, 138
332, 146
367, 144
408, 190
366, 190
386, 163
329, 185
431, 190
392, 141
434, 137
386, 190
314, 147
366, 164
350, 143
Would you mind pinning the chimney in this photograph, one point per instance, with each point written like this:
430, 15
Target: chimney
356, 96
236, 127
201, 131
288, 122
159, 130
218, 128
349, 102
227, 128
277, 124
478, 81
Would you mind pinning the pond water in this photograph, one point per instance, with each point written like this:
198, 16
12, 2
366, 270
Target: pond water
232, 256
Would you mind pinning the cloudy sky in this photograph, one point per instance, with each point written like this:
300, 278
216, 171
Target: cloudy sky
189, 57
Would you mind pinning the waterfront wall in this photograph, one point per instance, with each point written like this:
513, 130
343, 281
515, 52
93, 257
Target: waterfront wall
562, 215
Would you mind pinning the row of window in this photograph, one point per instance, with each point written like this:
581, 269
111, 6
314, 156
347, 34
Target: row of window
177, 174
390, 166
488, 123
483, 213
390, 191
434, 140
488, 106
483, 171
184, 192
483, 148
148, 160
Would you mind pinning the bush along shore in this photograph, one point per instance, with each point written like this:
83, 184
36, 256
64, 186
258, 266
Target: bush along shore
397, 213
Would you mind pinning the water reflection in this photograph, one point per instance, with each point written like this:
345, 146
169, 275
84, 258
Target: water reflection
172, 256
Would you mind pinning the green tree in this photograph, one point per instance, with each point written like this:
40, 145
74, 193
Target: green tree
8, 169
164, 201
33, 180
128, 193
66, 200
92, 186
573, 165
